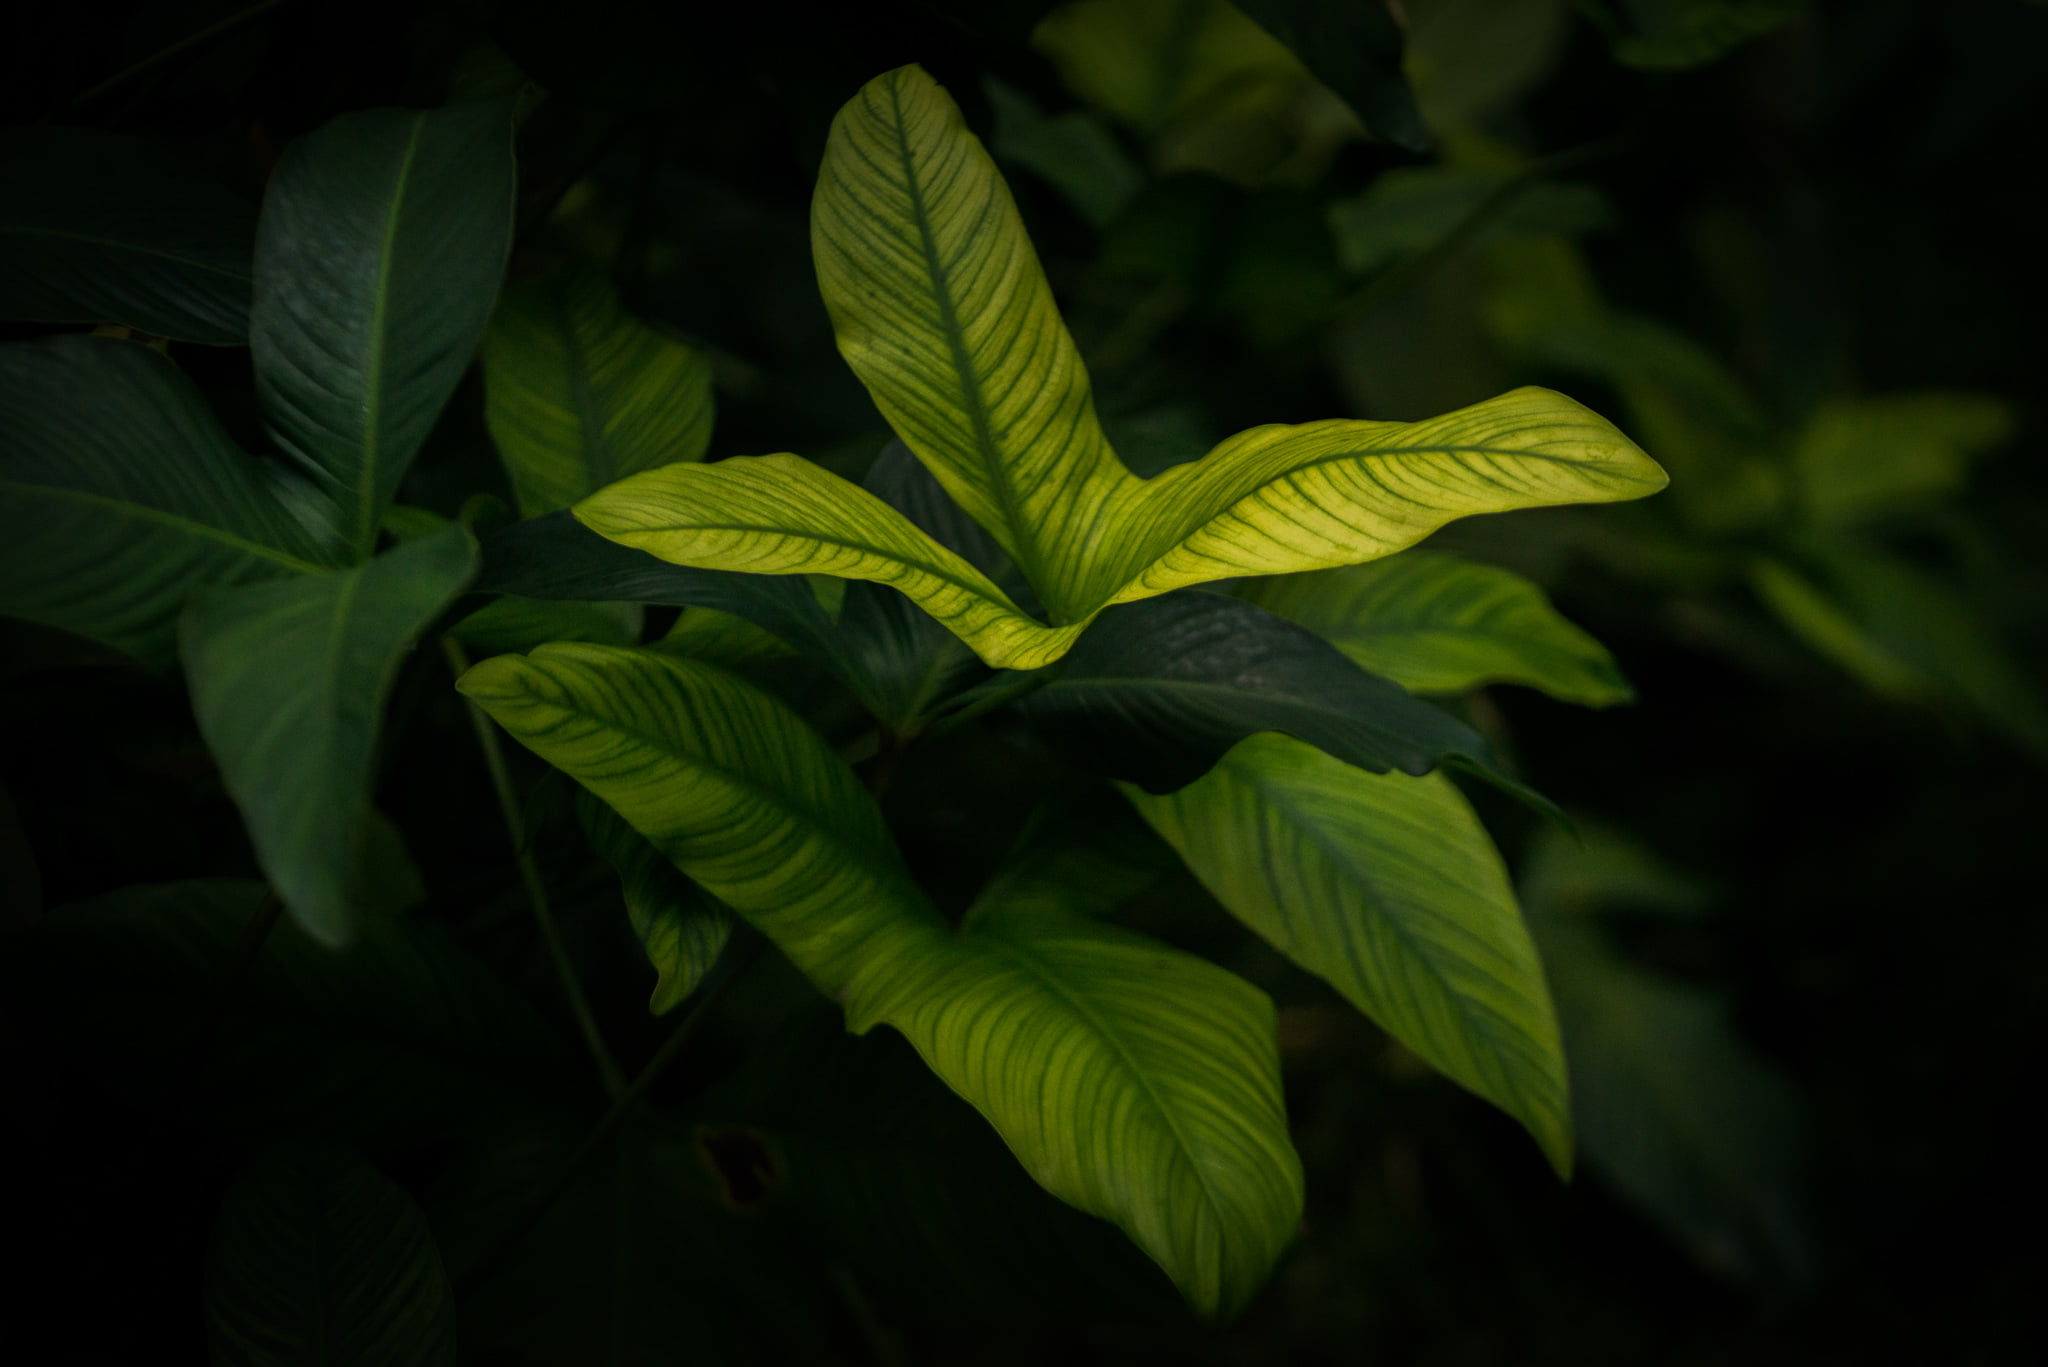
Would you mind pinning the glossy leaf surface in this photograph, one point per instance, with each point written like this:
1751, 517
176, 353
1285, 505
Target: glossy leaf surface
378, 258
288, 684
1388, 888
579, 393
682, 929
318, 1257
1437, 624
1157, 691
101, 228
1131, 1080
120, 494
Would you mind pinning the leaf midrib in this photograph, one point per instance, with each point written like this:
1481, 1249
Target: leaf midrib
373, 398
176, 522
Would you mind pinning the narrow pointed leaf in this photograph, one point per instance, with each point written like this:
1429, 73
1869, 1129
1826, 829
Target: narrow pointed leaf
288, 683
682, 929
942, 310
101, 228
579, 393
318, 1257
120, 495
1388, 888
783, 515
1436, 624
1277, 499
1165, 1110
1156, 692
382, 243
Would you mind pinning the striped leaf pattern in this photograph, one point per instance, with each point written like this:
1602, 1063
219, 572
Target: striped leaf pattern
579, 393
942, 310
318, 1257
682, 930
1437, 624
288, 684
1131, 1080
120, 494
783, 515
379, 253
1387, 887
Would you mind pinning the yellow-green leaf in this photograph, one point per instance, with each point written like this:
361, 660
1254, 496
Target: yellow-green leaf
579, 393
1387, 887
782, 515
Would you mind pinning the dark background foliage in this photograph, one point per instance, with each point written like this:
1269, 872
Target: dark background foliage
1873, 866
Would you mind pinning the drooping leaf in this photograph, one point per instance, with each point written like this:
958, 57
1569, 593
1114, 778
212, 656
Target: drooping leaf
942, 311
1167, 1116
318, 1257
1667, 1102
682, 929
400, 1038
1356, 51
1436, 624
382, 243
579, 393
781, 515
1388, 888
120, 495
288, 684
102, 228
1156, 692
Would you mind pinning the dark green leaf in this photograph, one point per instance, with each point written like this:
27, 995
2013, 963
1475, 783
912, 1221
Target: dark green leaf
1156, 692
101, 228
1355, 49
1672, 35
318, 1258
682, 927
382, 244
288, 683
120, 495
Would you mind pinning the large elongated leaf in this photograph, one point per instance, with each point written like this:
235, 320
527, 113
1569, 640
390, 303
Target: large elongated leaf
288, 683
318, 1257
579, 393
682, 929
382, 243
1437, 624
1388, 888
781, 515
100, 228
120, 495
1132, 1081
1157, 691
399, 1039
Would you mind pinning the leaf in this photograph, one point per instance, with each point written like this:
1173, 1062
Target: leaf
1859, 459
1389, 889
1356, 51
1157, 691
781, 515
682, 930
1407, 212
318, 1257
100, 228
120, 495
288, 684
1167, 1118
382, 243
1436, 624
512, 623
1073, 151
579, 393
1668, 1103
1673, 35
400, 1039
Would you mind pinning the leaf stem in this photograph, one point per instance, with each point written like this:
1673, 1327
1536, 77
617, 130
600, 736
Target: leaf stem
174, 50
608, 1070
731, 967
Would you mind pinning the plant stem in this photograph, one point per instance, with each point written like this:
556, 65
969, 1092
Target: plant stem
608, 1070
177, 49
732, 966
